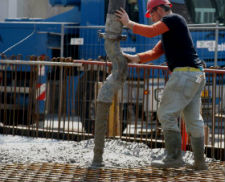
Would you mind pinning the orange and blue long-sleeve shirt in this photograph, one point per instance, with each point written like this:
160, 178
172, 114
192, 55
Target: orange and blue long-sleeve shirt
176, 42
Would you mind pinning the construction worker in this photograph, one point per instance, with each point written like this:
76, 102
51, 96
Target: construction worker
182, 92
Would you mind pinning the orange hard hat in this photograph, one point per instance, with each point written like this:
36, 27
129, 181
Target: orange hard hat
153, 3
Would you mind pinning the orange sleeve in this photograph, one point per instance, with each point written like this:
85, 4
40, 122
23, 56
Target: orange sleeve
150, 30
153, 54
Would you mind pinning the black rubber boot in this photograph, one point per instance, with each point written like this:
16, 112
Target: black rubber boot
198, 148
173, 148
102, 114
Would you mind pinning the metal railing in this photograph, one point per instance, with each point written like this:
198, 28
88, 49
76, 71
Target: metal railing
57, 99
83, 42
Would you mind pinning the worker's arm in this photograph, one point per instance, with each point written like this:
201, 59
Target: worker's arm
153, 54
150, 30
144, 57
144, 30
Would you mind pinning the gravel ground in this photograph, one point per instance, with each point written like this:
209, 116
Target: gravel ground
119, 154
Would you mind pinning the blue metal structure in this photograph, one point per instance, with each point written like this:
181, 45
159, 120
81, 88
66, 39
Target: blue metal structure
43, 36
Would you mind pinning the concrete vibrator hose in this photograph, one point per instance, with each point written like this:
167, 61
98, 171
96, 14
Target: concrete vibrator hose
112, 36
114, 81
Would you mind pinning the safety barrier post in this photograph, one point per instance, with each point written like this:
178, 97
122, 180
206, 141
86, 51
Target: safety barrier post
114, 122
184, 135
114, 128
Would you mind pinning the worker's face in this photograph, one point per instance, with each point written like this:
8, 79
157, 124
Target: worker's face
156, 14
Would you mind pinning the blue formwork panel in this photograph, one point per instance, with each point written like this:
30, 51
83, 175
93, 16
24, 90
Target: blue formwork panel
204, 42
64, 2
26, 38
30, 38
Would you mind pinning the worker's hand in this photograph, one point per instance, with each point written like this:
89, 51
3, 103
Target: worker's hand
122, 16
132, 58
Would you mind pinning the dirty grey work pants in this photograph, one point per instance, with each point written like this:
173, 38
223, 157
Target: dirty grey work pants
182, 93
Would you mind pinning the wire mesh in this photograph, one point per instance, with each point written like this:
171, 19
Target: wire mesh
70, 173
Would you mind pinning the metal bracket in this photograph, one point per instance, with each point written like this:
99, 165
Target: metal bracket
112, 36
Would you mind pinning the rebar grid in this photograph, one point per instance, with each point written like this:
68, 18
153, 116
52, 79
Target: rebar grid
70, 173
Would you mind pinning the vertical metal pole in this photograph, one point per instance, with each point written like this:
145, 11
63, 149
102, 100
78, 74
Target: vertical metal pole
62, 41
61, 78
216, 43
60, 97
214, 87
